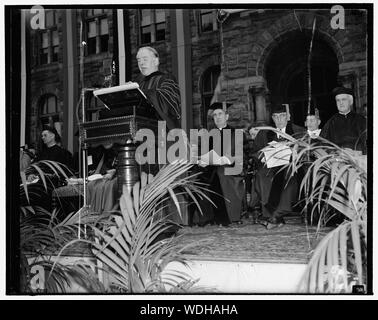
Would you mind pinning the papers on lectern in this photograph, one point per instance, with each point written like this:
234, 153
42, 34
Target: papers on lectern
119, 96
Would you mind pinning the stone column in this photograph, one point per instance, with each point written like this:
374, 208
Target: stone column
258, 92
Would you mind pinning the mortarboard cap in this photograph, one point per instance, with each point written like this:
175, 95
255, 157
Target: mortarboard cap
313, 111
342, 90
220, 105
278, 108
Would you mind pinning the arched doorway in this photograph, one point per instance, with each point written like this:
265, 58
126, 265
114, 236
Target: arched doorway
286, 73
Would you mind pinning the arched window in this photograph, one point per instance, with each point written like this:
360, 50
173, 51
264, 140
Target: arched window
49, 112
208, 85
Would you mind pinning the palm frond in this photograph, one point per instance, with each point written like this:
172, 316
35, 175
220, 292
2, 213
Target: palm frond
131, 250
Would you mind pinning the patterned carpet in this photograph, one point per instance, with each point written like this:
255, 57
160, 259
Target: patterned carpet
292, 242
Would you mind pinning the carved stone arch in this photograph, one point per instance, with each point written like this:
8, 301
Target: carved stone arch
285, 52
281, 28
261, 62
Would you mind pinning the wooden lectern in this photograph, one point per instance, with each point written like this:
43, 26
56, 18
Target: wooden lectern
127, 111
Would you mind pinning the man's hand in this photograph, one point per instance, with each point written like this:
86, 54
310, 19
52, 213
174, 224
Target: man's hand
110, 174
253, 132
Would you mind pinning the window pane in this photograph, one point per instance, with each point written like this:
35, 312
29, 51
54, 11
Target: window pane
98, 11
146, 34
210, 79
50, 18
214, 78
104, 43
160, 31
160, 15
55, 54
207, 85
44, 107
43, 56
206, 11
55, 38
92, 29
207, 100
207, 22
91, 45
146, 17
104, 27
45, 40
51, 104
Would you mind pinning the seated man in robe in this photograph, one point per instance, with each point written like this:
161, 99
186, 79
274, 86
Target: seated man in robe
276, 193
229, 188
312, 123
347, 129
39, 194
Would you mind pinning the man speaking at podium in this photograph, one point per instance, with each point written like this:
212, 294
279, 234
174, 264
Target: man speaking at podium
160, 88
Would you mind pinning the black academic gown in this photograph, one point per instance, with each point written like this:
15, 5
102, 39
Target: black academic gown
231, 188
164, 93
278, 194
346, 131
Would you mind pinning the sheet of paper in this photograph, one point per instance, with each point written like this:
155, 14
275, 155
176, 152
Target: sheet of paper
276, 154
212, 158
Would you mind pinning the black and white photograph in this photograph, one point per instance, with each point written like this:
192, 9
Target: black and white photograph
202, 149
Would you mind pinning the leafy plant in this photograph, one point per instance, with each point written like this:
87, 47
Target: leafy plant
41, 239
42, 236
334, 178
130, 244
134, 249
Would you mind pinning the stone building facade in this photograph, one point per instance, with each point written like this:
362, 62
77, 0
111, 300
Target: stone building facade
249, 58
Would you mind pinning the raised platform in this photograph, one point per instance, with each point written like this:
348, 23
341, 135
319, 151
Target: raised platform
240, 259
248, 258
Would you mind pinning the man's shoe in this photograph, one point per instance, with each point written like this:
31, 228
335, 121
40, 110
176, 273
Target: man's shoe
275, 223
262, 220
225, 225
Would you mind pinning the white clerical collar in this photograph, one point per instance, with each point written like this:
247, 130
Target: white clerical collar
314, 133
282, 130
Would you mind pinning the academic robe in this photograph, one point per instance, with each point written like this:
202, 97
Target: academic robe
346, 131
164, 93
277, 193
231, 188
